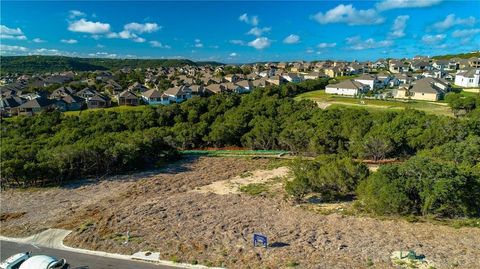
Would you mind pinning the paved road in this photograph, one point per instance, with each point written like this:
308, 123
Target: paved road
76, 260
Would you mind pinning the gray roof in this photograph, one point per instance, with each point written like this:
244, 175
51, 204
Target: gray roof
152, 94
347, 84
469, 73
178, 90
37, 103
427, 85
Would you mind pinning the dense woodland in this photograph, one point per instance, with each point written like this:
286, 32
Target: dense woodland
441, 174
42, 64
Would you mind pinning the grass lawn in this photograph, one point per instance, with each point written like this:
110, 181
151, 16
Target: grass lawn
114, 109
330, 100
225, 153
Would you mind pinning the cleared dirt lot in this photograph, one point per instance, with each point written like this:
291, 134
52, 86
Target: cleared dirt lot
163, 213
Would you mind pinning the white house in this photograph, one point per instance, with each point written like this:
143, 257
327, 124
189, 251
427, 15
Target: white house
368, 80
179, 93
155, 97
346, 87
468, 78
292, 77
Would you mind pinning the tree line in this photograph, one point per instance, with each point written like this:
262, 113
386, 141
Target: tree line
53, 147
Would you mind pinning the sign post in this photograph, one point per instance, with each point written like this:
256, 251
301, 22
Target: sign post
260, 239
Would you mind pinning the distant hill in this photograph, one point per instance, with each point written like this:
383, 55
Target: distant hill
461, 55
42, 64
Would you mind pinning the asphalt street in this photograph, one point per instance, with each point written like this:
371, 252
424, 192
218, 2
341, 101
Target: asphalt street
76, 260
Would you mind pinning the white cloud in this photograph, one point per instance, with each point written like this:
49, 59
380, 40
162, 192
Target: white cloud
17, 37
84, 26
198, 43
467, 33
451, 20
45, 51
291, 39
349, 15
7, 48
433, 39
142, 28
252, 20
399, 25
75, 13
237, 42
260, 43
69, 41
139, 39
356, 43
324, 45
38, 40
103, 55
233, 54
157, 44
259, 31
133, 29
394, 4
11, 33
310, 51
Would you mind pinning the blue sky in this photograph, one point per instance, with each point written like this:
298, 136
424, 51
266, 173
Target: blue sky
240, 32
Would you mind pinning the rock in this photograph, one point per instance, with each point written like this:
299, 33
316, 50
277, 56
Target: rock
342, 246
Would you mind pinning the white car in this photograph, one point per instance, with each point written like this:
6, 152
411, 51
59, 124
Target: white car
27, 261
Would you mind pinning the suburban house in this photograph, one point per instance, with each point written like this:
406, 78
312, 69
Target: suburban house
215, 88
231, 78
420, 65
86, 93
127, 98
197, 89
262, 82
8, 105
292, 77
97, 101
244, 86
72, 102
468, 78
312, 75
397, 67
428, 89
335, 71
34, 106
155, 97
179, 93
276, 80
401, 92
474, 62
368, 80
62, 91
346, 87
112, 87
137, 87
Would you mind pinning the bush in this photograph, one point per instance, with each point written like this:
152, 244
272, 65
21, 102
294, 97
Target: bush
423, 186
331, 176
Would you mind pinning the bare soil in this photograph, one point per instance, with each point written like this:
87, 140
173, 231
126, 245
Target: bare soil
163, 212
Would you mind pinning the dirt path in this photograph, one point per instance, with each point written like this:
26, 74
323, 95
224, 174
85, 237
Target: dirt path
232, 186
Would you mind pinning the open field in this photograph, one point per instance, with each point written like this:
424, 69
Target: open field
171, 211
114, 109
325, 100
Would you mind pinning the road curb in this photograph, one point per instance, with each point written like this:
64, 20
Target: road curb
57, 243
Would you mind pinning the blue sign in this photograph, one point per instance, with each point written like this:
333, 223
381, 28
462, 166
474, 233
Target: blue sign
260, 239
